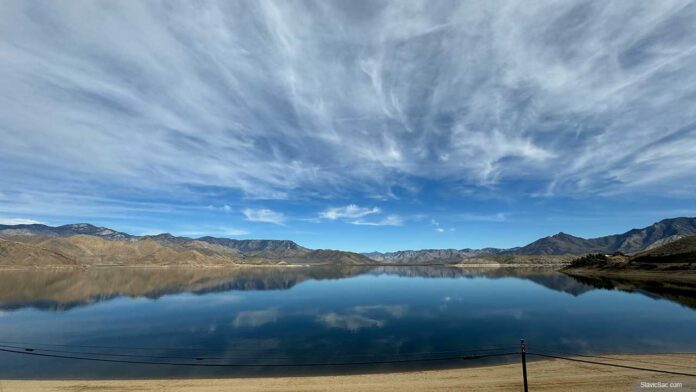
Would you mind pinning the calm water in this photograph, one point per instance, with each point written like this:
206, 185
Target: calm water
322, 315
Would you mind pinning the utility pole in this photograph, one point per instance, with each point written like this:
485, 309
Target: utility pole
523, 353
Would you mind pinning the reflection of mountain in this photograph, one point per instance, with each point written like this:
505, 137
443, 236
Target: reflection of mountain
68, 288
546, 277
683, 293
64, 289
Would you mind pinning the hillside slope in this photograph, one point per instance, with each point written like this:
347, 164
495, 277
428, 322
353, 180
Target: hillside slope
679, 251
90, 250
677, 259
632, 241
17, 254
560, 244
84, 250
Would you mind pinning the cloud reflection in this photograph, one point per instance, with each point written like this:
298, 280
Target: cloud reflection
256, 318
350, 322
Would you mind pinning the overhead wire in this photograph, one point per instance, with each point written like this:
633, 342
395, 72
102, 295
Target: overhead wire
31, 348
612, 364
199, 361
616, 359
314, 364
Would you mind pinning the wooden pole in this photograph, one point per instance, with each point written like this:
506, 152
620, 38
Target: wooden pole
523, 353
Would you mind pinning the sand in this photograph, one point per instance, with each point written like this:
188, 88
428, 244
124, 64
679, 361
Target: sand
544, 375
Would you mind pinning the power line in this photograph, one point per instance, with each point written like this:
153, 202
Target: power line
29, 348
88, 356
138, 362
490, 347
672, 353
612, 364
616, 359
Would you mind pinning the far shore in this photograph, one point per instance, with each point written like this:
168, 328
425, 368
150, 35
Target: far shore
636, 275
232, 266
627, 274
543, 375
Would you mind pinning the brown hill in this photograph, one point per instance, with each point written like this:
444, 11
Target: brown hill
679, 251
18, 254
90, 250
60, 289
328, 256
85, 250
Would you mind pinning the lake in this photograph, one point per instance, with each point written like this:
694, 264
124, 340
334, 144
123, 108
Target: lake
355, 319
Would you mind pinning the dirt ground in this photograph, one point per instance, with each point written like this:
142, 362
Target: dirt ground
545, 375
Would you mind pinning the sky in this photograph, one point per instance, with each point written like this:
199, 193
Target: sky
353, 125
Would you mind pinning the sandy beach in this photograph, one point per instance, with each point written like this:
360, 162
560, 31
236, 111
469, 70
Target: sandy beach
544, 375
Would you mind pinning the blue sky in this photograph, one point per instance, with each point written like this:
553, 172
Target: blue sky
358, 125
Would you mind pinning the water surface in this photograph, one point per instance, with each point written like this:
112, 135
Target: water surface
294, 316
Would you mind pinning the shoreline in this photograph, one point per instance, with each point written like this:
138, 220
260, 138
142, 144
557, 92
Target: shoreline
232, 266
543, 375
633, 275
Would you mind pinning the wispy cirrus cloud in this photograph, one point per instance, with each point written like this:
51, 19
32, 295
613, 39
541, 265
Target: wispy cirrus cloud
497, 217
390, 220
264, 215
18, 221
152, 111
217, 231
349, 211
270, 100
234, 232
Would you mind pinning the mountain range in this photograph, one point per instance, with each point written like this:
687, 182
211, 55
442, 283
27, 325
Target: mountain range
632, 241
82, 243
85, 244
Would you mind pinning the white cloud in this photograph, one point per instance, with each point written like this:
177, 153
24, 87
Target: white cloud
349, 211
18, 221
264, 215
438, 228
391, 220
